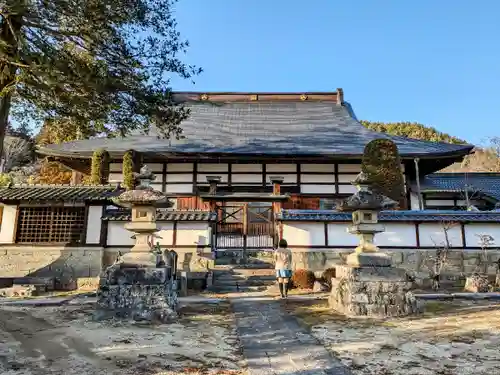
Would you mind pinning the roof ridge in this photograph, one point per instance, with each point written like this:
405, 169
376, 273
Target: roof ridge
108, 186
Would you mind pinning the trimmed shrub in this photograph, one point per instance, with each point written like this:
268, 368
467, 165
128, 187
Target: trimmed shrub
128, 170
328, 275
100, 167
5, 180
382, 164
303, 279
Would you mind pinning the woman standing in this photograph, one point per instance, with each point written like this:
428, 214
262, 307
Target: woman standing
283, 266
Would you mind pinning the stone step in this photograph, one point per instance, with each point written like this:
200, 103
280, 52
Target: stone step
243, 282
244, 278
235, 289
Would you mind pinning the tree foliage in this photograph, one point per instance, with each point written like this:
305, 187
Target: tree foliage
53, 173
128, 170
100, 167
412, 130
103, 64
382, 164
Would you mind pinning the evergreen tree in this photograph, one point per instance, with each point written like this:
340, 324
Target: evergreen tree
103, 64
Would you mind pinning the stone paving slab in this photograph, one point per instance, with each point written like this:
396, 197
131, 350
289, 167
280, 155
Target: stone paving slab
274, 343
55, 301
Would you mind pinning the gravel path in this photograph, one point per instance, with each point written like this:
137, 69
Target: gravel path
274, 342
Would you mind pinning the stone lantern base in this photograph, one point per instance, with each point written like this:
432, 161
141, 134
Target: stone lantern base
372, 291
139, 293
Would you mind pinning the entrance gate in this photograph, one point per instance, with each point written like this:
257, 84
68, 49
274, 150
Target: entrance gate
245, 226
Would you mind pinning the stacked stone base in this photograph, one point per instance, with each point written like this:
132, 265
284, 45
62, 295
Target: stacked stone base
372, 291
139, 293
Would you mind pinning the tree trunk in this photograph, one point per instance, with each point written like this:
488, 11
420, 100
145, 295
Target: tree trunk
10, 30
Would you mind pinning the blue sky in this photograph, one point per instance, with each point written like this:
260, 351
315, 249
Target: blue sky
432, 61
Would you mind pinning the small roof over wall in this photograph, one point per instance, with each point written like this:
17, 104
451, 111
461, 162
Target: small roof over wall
415, 216
59, 193
482, 184
164, 215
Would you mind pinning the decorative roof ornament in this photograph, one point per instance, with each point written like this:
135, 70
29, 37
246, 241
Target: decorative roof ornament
303, 97
204, 97
365, 198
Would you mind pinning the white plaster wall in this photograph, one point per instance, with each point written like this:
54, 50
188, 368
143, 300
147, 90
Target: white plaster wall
94, 224
338, 236
349, 168
211, 167
115, 177
179, 188
317, 189
317, 178
246, 167
246, 178
156, 167
346, 177
118, 235
473, 229
181, 177
322, 168
414, 202
397, 234
193, 234
8, 224
281, 168
432, 234
439, 202
304, 234
201, 178
179, 167
115, 167
347, 189
166, 232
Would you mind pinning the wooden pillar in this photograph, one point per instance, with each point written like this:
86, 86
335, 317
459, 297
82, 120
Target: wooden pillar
213, 181
277, 181
76, 178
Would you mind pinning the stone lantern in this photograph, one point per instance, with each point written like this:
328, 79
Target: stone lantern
367, 285
136, 287
142, 201
365, 205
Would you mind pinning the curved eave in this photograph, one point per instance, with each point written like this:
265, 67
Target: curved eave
465, 150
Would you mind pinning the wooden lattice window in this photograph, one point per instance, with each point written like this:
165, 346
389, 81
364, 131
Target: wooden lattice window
51, 225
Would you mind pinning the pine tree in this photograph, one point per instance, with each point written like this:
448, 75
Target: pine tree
103, 64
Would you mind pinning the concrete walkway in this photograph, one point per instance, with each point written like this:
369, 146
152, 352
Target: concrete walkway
274, 342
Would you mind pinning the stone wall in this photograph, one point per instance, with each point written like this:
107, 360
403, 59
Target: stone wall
187, 259
418, 263
50, 261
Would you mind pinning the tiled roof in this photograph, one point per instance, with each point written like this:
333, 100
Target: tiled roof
427, 215
164, 215
312, 128
482, 183
76, 193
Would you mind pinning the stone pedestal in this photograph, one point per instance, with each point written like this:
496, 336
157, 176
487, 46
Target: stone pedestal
139, 293
372, 291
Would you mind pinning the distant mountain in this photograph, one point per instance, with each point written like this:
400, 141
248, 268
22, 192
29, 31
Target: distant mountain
412, 130
485, 159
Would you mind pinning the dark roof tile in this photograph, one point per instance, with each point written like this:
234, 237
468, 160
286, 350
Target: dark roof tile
76, 193
163, 215
427, 215
262, 128
481, 183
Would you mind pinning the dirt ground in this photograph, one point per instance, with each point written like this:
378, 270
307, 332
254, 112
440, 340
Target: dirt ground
65, 340
450, 338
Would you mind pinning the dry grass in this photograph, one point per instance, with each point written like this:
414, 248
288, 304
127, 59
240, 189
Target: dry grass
458, 338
